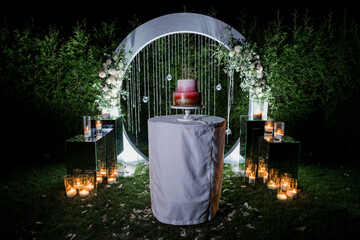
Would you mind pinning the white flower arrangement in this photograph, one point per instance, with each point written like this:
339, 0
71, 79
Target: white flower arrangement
112, 76
243, 60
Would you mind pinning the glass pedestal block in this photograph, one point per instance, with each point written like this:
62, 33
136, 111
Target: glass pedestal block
116, 124
283, 156
87, 154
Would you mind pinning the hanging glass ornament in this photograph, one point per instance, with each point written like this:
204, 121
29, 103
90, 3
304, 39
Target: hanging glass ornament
169, 77
228, 131
218, 87
145, 99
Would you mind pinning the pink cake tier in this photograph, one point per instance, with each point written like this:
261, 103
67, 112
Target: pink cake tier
187, 85
187, 99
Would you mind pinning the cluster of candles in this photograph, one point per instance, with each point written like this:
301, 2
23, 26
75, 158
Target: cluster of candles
285, 185
79, 182
87, 128
106, 174
274, 131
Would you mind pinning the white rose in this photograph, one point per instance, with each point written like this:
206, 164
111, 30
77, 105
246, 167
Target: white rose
110, 80
259, 75
115, 56
108, 62
121, 64
231, 53
237, 48
107, 97
259, 69
112, 71
258, 89
102, 74
105, 89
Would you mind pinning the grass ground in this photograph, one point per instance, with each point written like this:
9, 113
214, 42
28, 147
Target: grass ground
33, 206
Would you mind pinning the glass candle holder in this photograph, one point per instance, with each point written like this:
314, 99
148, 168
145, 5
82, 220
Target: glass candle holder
279, 130
77, 179
273, 180
285, 181
98, 128
69, 186
252, 175
87, 127
281, 195
266, 174
291, 191
90, 184
248, 166
261, 168
99, 178
269, 127
83, 191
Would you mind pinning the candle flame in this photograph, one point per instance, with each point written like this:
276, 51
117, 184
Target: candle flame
87, 128
279, 132
98, 123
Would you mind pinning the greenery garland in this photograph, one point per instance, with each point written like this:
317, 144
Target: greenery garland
242, 58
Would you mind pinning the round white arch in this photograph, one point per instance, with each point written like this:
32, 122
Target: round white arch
173, 24
176, 23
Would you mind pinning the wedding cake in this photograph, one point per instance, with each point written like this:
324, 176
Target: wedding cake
187, 94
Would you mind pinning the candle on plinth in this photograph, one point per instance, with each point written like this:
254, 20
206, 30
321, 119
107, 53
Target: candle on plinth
71, 193
103, 173
105, 115
269, 126
281, 196
257, 116
77, 184
98, 125
87, 133
83, 193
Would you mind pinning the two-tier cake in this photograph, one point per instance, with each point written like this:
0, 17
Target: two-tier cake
187, 94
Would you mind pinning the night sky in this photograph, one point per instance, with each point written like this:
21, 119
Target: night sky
66, 13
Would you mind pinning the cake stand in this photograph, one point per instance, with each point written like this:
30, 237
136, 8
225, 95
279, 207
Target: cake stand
186, 117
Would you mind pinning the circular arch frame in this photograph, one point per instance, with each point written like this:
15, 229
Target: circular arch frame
176, 23
173, 24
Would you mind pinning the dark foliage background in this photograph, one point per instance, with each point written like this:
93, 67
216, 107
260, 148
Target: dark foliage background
48, 70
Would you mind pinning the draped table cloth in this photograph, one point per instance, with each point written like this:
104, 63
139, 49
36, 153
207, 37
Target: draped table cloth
186, 167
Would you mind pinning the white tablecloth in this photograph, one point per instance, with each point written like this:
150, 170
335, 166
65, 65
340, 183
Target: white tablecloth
186, 167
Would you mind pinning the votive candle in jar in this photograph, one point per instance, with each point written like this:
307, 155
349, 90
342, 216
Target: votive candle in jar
87, 127
279, 130
69, 186
269, 127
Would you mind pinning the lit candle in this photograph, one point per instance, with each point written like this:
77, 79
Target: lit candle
248, 171
87, 133
261, 172
257, 116
77, 184
265, 177
278, 134
84, 193
111, 180
99, 179
105, 115
291, 192
269, 128
281, 196
103, 173
284, 185
115, 173
89, 187
98, 125
271, 185
71, 193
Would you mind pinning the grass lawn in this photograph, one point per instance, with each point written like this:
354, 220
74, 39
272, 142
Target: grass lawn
33, 206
